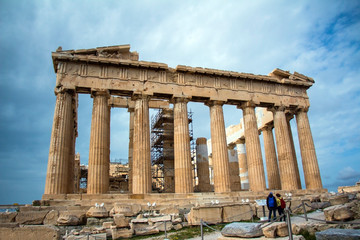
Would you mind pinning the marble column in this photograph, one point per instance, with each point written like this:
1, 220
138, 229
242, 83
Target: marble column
284, 150
99, 150
253, 149
220, 158
308, 154
244, 176
202, 161
271, 159
234, 170
131, 143
182, 155
141, 164
60, 144
297, 172
71, 166
168, 150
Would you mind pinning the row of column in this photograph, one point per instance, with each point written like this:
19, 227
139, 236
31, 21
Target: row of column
62, 148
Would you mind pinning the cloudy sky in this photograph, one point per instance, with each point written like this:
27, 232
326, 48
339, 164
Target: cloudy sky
320, 39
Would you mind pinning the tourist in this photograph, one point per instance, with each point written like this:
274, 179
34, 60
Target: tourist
271, 204
280, 206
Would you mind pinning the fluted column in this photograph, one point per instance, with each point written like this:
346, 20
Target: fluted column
284, 150
294, 154
60, 144
243, 168
141, 164
234, 170
182, 155
271, 159
99, 150
308, 154
131, 143
202, 161
71, 166
253, 149
220, 158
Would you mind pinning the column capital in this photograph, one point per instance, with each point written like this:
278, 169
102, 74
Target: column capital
247, 104
231, 146
240, 141
281, 108
268, 126
301, 109
100, 92
211, 103
58, 90
179, 99
137, 96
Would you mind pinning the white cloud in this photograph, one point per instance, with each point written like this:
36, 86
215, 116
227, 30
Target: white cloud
348, 173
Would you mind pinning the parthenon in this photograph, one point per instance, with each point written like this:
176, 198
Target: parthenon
115, 77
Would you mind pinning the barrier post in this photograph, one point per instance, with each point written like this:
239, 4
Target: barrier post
201, 229
288, 221
304, 209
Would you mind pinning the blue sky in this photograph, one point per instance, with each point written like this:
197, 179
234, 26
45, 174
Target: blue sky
320, 39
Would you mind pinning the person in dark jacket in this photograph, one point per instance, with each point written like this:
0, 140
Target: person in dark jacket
271, 205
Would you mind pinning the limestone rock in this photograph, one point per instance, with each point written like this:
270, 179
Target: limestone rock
338, 234
98, 212
51, 217
31, 232
121, 233
320, 205
338, 213
80, 214
177, 220
338, 200
178, 226
128, 210
237, 229
7, 217
169, 210
68, 220
107, 225
121, 221
270, 231
31, 217
162, 226
146, 231
282, 230
233, 213
93, 222
210, 215
160, 219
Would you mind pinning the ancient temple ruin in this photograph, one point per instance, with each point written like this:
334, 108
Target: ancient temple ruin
114, 77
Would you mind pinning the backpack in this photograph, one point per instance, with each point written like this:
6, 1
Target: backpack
271, 202
283, 204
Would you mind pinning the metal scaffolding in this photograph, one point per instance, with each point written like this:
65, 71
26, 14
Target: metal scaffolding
162, 149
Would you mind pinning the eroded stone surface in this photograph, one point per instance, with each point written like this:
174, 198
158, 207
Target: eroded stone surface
248, 230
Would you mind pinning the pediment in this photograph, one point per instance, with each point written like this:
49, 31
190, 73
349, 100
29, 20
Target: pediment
281, 74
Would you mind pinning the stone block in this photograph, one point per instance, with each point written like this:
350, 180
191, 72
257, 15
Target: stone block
80, 214
338, 234
51, 218
176, 221
99, 212
68, 220
107, 225
234, 213
121, 221
160, 219
93, 222
162, 226
128, 210
296, 208
339, 200
7, 217
178, 226
269, 231
338, 213
210, 215
146, 231
121, 233
9, 225
282, 230
320, 205
30, 232
169, 210
31, 217
248, 230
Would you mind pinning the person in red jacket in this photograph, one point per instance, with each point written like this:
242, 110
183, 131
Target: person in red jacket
281, 205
